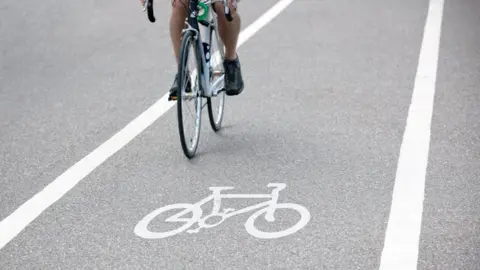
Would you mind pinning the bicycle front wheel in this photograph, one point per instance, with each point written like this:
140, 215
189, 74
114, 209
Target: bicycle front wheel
189, 100
216, 103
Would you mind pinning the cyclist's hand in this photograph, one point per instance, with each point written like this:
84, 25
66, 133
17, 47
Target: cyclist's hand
232, 4
142, 2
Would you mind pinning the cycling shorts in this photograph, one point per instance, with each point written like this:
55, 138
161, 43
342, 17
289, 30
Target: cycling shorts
185, 2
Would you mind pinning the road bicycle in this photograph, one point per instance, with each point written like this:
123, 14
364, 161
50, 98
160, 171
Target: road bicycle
266, 208
200, 34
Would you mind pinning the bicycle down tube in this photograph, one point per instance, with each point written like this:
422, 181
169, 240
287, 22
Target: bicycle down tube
193, 25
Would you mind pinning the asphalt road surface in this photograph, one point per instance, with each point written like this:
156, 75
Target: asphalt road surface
337, 106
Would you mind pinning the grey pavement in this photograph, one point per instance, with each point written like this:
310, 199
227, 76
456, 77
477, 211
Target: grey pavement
328, 85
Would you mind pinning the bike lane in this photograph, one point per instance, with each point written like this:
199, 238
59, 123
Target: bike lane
325, 117
71, 76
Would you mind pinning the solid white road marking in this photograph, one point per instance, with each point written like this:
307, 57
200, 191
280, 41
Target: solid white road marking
16, 222
401, 246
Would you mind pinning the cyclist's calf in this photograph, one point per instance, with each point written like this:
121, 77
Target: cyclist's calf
228, 31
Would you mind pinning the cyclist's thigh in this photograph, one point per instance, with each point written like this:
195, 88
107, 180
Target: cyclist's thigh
180, 3
184, 3
213, 1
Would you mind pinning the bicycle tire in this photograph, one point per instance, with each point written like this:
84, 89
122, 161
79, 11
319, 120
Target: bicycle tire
216, 122
187, 41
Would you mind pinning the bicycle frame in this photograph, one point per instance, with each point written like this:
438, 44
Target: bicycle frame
193, 25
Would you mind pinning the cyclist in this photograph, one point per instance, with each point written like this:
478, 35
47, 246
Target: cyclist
228, 32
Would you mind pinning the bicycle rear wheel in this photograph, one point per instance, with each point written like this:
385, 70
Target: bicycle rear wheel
189, 93
216, 103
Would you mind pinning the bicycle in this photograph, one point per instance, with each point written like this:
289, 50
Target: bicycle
267, 208
201, 27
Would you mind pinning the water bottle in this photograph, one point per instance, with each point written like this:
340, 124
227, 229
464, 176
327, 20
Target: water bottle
204, 31
205, 35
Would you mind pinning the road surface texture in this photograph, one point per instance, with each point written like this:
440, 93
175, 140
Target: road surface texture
328, 89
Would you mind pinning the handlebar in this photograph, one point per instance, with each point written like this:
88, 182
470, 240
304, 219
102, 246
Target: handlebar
151, 17
149, 7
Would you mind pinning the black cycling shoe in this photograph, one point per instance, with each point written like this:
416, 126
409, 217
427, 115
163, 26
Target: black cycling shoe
175, 87
233, 77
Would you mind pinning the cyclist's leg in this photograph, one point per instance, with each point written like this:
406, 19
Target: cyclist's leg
177, 23
229, 32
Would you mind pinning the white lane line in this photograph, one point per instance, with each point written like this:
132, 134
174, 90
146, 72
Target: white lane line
402, 238
16, 222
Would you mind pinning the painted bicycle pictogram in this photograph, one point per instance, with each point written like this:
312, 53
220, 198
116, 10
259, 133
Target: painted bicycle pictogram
266, 208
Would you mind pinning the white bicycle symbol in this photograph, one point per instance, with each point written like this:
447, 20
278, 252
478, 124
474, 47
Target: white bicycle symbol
268, 208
